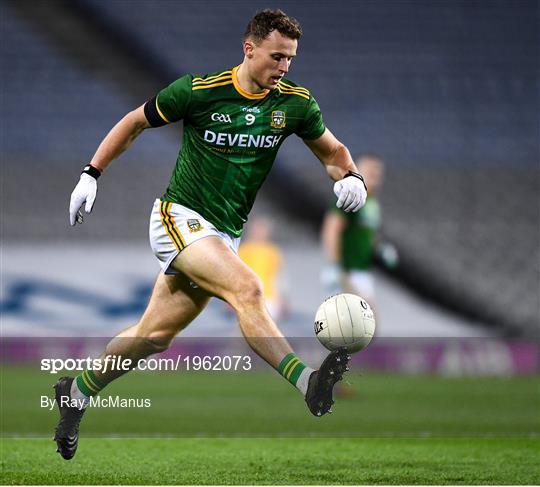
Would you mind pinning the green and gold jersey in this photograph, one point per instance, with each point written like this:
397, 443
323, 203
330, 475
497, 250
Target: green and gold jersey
358, 238
231, 139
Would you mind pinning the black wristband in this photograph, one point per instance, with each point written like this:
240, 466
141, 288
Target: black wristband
356, 175
91, 171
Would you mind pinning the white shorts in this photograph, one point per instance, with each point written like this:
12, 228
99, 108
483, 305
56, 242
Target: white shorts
173, 227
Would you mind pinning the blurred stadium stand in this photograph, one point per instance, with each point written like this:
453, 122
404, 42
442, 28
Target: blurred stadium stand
446, 92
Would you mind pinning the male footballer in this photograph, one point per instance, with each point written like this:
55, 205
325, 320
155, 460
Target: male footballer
235, 120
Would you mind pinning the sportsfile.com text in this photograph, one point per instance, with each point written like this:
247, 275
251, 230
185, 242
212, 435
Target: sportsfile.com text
116, 362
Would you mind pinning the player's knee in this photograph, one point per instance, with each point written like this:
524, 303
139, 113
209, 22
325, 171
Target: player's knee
157, 341
158, 344
249, 293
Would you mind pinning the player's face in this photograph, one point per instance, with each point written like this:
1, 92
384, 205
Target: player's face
269, 61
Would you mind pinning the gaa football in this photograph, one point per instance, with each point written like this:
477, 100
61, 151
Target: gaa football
345, 320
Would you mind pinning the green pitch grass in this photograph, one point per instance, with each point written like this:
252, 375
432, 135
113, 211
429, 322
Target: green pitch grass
251, 428
275, 461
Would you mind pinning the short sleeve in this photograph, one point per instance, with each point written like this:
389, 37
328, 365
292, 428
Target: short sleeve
312, 126
173, 102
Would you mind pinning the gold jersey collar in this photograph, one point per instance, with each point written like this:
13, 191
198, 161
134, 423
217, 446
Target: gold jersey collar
244, 93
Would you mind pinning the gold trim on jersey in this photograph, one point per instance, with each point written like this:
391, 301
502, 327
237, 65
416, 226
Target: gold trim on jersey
221, 79
244, 93
212, 81
213, 85
289, 90
167, 221
161, 113
298, 88
210, 78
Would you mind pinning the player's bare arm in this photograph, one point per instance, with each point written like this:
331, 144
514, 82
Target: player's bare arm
117, 141
332, 230
349, 188
333, 154
120, 138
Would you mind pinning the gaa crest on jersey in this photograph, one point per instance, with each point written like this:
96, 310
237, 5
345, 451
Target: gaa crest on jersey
194, 225
278, 119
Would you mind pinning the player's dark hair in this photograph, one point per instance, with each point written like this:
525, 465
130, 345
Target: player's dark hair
265, 21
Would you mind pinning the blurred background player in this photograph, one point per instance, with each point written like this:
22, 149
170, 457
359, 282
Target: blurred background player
265, 258
350, 241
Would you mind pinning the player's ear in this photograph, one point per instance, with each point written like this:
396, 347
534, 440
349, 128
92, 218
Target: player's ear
248, 48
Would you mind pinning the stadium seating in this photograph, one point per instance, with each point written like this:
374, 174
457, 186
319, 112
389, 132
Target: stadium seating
55, 111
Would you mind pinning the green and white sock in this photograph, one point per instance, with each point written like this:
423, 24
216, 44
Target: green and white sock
295, 371
85, 386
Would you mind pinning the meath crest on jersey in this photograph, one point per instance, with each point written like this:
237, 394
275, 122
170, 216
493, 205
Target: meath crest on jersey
194, 225
278, 119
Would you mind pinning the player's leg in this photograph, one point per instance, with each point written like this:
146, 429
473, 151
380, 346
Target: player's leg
211, 264
218, 270
172, 306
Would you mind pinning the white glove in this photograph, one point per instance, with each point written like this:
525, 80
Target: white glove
351, 192
84, 193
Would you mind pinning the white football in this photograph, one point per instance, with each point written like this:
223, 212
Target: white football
345, 320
